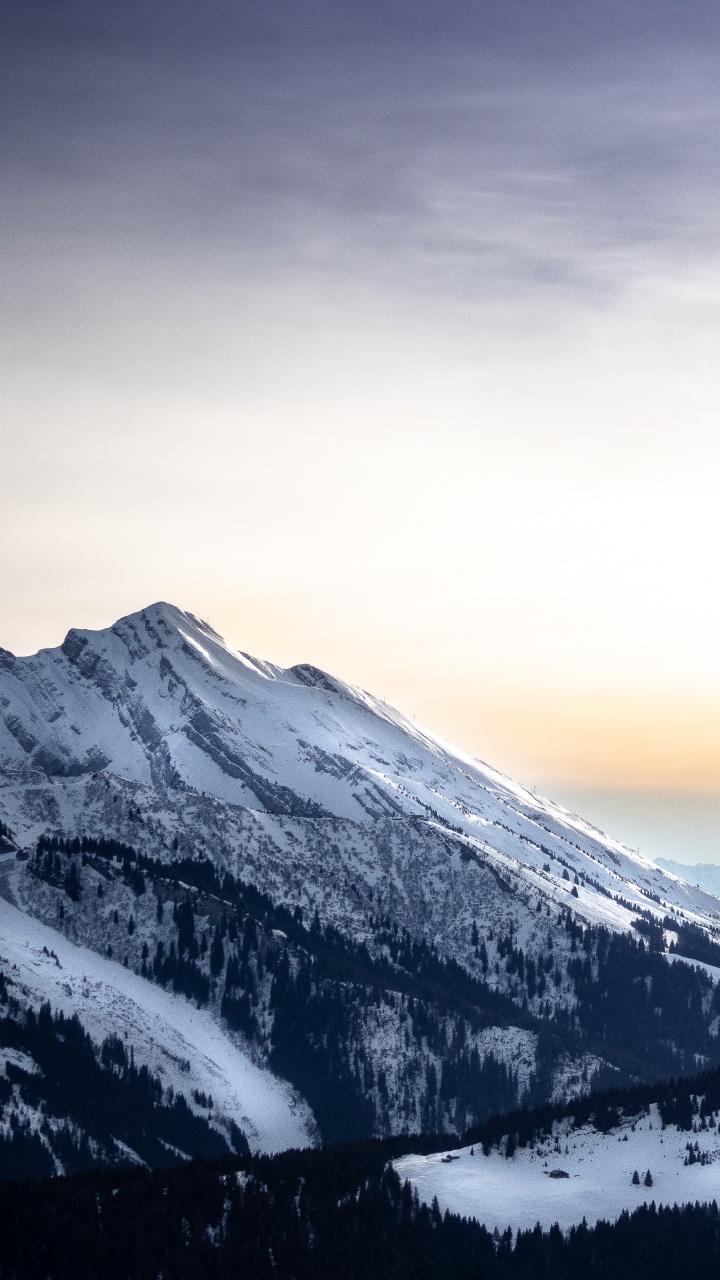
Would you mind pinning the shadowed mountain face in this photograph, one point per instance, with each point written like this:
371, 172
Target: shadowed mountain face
393, 857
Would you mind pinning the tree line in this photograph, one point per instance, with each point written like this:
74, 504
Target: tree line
312, 1216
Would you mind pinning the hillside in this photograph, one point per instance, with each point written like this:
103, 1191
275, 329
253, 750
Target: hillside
180, 1045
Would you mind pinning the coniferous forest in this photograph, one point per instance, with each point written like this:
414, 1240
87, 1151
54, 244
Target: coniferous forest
306, 1215
303, 991
311, 1216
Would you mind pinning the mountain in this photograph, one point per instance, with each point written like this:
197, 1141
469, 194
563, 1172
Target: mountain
398, 935
706, 875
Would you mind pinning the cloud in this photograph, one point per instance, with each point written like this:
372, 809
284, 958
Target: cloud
368, 290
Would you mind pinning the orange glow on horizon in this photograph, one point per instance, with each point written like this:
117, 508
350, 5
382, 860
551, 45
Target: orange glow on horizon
650, 740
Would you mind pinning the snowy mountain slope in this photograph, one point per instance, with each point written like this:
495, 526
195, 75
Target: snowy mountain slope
375, 1033
184, 1046
157, 734
518, 1192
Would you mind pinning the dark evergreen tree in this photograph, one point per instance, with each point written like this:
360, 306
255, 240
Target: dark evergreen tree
217, 954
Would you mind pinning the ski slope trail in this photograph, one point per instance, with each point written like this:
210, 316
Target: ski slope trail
183, 1045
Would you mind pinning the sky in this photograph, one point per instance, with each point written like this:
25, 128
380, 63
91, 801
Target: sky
383, 336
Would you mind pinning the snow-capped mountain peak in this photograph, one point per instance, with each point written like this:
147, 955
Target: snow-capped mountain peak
161, 704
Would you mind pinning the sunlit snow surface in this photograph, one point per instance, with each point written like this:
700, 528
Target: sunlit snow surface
518, 1192
180, 1043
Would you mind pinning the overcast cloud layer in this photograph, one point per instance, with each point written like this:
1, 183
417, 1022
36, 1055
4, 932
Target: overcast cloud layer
384, 334
474, 167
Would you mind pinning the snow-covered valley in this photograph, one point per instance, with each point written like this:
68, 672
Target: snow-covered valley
520, 1191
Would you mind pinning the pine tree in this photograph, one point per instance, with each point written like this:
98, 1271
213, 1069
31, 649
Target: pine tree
71, 883
217, 954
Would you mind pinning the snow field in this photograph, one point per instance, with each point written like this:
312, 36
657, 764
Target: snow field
518, 1192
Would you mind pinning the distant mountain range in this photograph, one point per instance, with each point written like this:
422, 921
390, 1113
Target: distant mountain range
383, 933
704, 874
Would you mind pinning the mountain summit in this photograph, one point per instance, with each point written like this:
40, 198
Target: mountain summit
161, 705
